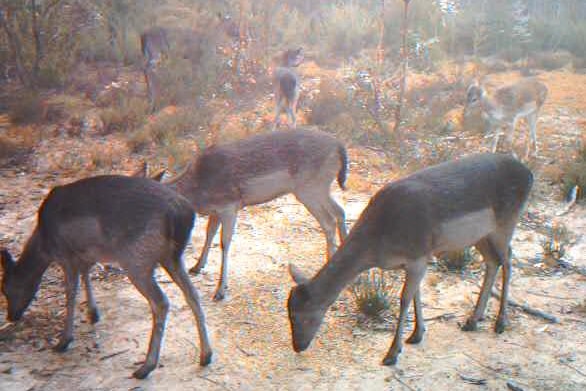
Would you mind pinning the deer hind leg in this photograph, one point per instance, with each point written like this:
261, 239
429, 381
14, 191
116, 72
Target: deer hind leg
417, 335
337, 211
532, 143
176, 270
71, 288
144, 281
278, 109
93, 313
492, 266
292, 109
228, 221
315, 201
414, 273
212, 229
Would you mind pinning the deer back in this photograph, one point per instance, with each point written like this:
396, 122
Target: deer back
451, 205
260, 168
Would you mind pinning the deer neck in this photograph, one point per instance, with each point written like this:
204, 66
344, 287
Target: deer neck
342, 269
489, 106
32, 263
184, 183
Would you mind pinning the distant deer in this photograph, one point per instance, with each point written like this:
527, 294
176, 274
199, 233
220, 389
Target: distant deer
286, 83
473, 201
135, 222
258, 169
507, 105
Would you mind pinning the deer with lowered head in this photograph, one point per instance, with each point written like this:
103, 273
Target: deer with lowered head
286, 83
134, 222
258, 169
506, 106
476, 201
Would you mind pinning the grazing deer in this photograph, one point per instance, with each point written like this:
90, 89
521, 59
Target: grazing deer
507, 105
286, 83
258, 169
135, 222
473, 201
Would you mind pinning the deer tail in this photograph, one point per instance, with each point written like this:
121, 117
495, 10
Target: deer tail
343, 173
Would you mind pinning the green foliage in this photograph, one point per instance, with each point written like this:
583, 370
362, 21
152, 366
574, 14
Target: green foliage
456, 261
372, 293
27, 107
126, 115
555, 244
349, 30
574, 174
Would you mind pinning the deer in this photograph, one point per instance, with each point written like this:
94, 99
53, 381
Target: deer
225, 178
286, 83
134, 222
476, 200
508, 104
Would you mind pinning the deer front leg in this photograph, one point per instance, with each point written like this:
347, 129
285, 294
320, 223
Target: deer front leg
532, 143
414, 273
71, 287
212, 229
228, 221
501, 320
417, 335
93, 313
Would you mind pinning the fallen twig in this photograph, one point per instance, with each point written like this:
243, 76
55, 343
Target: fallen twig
213, 382
472, 380
407, 386
446, 316
574, 368
109, 356
513, 386
247, 354
525, 308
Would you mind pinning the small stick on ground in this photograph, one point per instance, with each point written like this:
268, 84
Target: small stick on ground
109, 356
525, 308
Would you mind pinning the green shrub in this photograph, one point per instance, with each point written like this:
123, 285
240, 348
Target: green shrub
126, 116
574, 175
26, 108
372, 293
456, 261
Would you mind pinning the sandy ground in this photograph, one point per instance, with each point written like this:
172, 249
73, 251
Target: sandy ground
250, 332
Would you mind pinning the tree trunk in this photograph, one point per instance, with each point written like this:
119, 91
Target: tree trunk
39, 48
403, 86
15, 48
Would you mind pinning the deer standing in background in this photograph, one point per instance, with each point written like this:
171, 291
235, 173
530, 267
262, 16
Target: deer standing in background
258, 169
506, 106
473, 201
154, 45
135, 222
286, 83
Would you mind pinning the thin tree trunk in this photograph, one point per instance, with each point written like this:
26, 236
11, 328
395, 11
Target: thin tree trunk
15, 48
39, 49
404, 67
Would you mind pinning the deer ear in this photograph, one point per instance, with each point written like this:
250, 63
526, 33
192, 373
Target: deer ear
159, 175
7, 261
297, 275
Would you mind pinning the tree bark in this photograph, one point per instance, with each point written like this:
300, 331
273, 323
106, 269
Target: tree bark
403, 86
15, 48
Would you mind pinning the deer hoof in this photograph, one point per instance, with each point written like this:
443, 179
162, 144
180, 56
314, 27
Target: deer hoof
94, 316
470, 325
143, 371
500, 326
205, 359
391, 360
195, 270
62, 345
415, 338
219, 296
